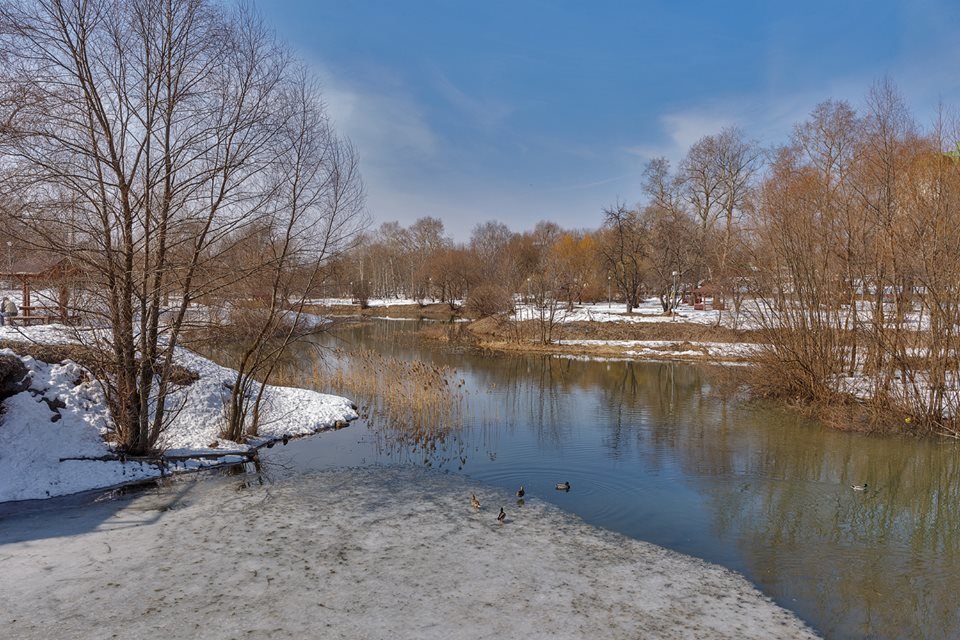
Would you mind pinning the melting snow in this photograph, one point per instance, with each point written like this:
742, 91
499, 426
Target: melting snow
672, 349
369, 553
33, 439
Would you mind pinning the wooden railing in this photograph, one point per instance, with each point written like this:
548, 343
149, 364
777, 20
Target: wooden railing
33, 314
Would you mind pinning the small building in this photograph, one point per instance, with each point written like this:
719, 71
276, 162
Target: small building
42, 271
698, 297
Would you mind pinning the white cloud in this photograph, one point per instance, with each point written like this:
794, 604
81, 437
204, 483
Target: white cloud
382, 120
680, 131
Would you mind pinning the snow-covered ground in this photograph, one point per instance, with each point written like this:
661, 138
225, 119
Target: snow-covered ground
372, 302
364, 553
671, 349
648, 311
35, 433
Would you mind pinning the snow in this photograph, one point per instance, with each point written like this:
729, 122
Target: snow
361, 553
671, 349
649, 311
286, 410
31, 445
371, 302
33, 439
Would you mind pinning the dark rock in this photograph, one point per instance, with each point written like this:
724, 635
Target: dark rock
13, 376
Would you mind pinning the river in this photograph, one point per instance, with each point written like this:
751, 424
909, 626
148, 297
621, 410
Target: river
653, 451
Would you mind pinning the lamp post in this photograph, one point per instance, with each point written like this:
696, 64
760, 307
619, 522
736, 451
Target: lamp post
673, 300
528, 291
609, 292
10, 261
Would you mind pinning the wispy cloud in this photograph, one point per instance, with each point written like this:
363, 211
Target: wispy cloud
487, 113
583, 185
381, 118
679, 131
769, 116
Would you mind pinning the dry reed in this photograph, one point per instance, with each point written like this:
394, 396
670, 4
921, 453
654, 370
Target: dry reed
412, 404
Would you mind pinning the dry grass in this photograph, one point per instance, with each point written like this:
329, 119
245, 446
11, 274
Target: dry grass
54, 353
85, 356
410, 403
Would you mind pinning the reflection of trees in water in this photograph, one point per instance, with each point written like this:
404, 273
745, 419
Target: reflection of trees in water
884, 562
779, 488
535, 394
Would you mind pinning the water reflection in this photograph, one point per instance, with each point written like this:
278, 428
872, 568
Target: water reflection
653, 452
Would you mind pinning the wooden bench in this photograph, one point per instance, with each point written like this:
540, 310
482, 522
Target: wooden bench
32, 314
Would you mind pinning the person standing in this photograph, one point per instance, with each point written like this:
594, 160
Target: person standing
8, 309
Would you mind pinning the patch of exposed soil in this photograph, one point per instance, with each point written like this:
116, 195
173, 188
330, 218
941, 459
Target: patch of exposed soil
85, 356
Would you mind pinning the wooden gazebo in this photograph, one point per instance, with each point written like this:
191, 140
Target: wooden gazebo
699, 295
44, 270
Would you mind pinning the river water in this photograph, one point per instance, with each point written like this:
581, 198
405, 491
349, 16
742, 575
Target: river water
653, 451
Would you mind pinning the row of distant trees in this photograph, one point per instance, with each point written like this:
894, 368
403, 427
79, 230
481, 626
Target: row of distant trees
844, 241
690, 230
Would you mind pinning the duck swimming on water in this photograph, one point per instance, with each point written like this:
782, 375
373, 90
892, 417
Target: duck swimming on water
520, 492
475, 503
563, 486
859, 487
501, 516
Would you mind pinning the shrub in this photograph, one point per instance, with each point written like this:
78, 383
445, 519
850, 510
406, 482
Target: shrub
489, 300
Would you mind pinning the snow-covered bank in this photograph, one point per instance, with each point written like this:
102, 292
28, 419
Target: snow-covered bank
63, 414
369, 553
649, 311
671, 349
371, 302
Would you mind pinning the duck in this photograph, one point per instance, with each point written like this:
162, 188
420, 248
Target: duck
563, 486
859, 487
520, 492
501, 516
475, 503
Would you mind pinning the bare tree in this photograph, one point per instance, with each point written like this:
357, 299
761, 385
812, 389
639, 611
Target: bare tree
701, 187
623, 246
673, 236
671, 253
738, 161
316, 215
148, 141
489, 243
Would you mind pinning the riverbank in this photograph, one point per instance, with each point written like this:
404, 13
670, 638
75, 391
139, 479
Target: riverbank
654, 341
848, 400
590, 330
361, 553
398, 309
54, 435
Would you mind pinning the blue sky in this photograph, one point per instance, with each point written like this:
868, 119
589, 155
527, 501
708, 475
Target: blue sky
526, 110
